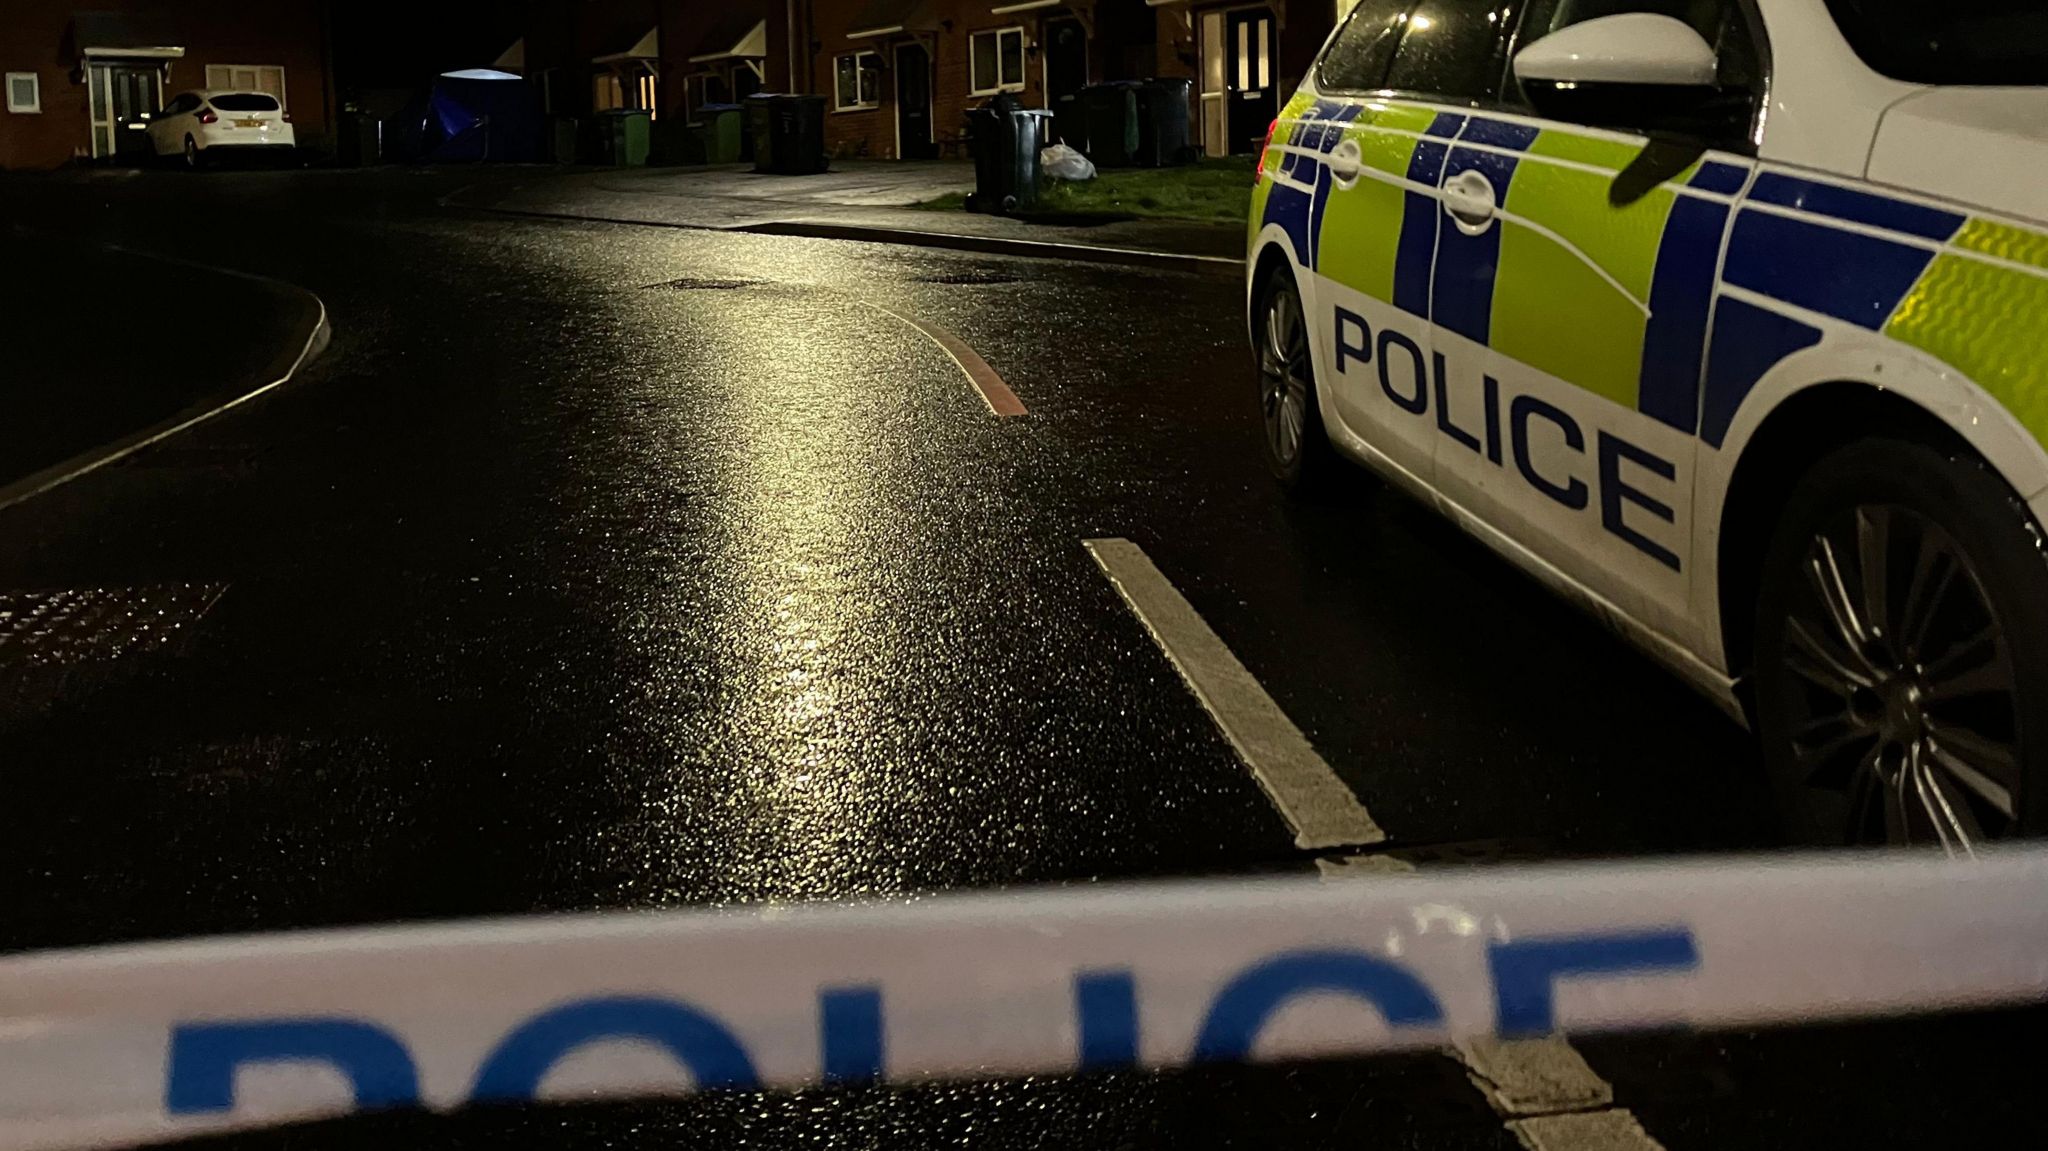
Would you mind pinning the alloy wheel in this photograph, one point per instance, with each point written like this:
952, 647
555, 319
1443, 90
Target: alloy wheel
1903, 696
1284, 375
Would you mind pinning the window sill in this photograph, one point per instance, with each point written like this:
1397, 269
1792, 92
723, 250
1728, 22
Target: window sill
1012, 89
857, 108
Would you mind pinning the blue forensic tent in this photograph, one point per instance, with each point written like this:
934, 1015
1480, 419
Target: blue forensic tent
480, 114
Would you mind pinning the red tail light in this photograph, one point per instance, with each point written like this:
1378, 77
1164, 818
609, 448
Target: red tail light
1263, 145
206, 116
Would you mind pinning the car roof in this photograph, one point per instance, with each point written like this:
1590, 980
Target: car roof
210, 93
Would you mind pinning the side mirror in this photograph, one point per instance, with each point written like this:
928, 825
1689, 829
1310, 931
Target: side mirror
1638, 70
1629, 48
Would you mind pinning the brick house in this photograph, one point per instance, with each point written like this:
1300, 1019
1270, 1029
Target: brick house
669, 57
899, 75
1244, 61
82, 84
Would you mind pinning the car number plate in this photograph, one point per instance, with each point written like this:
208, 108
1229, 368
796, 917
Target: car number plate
248, 123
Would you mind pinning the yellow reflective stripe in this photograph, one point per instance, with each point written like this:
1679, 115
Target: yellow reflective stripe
1399, 117
1613, 155
2019, 245
1362, 224
1986, 322
1552, 309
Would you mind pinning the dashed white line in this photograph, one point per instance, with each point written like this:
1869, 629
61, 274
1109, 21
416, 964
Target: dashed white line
1318, 806
1545, 1091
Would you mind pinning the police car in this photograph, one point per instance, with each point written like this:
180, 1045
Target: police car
1725, 318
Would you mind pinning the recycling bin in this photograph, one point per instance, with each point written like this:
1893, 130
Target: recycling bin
624, 137
788, 131
1111, 111
719, 131
1162, 108
1006, 139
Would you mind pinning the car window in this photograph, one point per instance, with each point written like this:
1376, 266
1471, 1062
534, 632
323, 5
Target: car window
1954, 42
245, 102
1358, 56
1451, 49
181, 105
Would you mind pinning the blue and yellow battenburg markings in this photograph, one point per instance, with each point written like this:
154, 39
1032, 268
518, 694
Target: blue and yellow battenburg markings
1638, 280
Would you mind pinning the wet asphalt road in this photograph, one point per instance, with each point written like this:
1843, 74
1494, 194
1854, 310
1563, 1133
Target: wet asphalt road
605, 566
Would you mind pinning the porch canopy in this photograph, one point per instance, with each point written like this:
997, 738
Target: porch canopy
738, 36
643, 50
882, 18
126, 35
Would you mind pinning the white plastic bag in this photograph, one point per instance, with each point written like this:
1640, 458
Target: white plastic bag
1064, 163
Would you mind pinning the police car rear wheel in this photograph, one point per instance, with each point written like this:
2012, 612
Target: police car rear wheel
1901, 670
1297, 449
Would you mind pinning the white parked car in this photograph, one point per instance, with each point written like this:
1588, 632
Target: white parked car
1727, 319
194, 124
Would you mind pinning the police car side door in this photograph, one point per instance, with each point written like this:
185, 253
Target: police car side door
1574, 274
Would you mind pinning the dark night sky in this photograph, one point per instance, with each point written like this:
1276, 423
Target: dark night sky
400, 43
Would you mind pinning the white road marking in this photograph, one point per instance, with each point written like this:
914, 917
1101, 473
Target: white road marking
1317, 805
1614, 1130
1531, 1077
1552, 1100
91, 460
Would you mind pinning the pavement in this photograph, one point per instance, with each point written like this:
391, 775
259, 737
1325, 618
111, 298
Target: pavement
158, 342
856, 199
608, 566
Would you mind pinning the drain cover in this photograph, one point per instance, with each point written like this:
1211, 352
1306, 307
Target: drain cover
689, 284
74, 625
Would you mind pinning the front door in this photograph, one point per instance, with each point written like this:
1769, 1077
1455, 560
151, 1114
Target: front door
123, 98
1250, 97
914, 103
1066, 73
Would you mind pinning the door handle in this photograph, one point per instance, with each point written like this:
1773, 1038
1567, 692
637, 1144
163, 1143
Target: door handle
1469, 198
1345, 161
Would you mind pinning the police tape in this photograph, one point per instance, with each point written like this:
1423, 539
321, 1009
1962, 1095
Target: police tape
116, 1045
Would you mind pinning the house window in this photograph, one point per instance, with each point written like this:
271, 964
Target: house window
649, 98
998, 60
606, 93
857, 80
265, 78
24, 92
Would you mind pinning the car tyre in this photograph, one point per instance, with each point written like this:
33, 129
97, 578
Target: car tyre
1902, 652
1297, 449
193, 158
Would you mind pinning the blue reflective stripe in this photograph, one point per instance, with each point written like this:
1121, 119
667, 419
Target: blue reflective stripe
1300, 214
1858, 207
1715, 176
1748, 340
1842, 274
1417, 248
1445, 124
1681, 290
1462, 298
1289, 208
1499, 133
1325, 179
